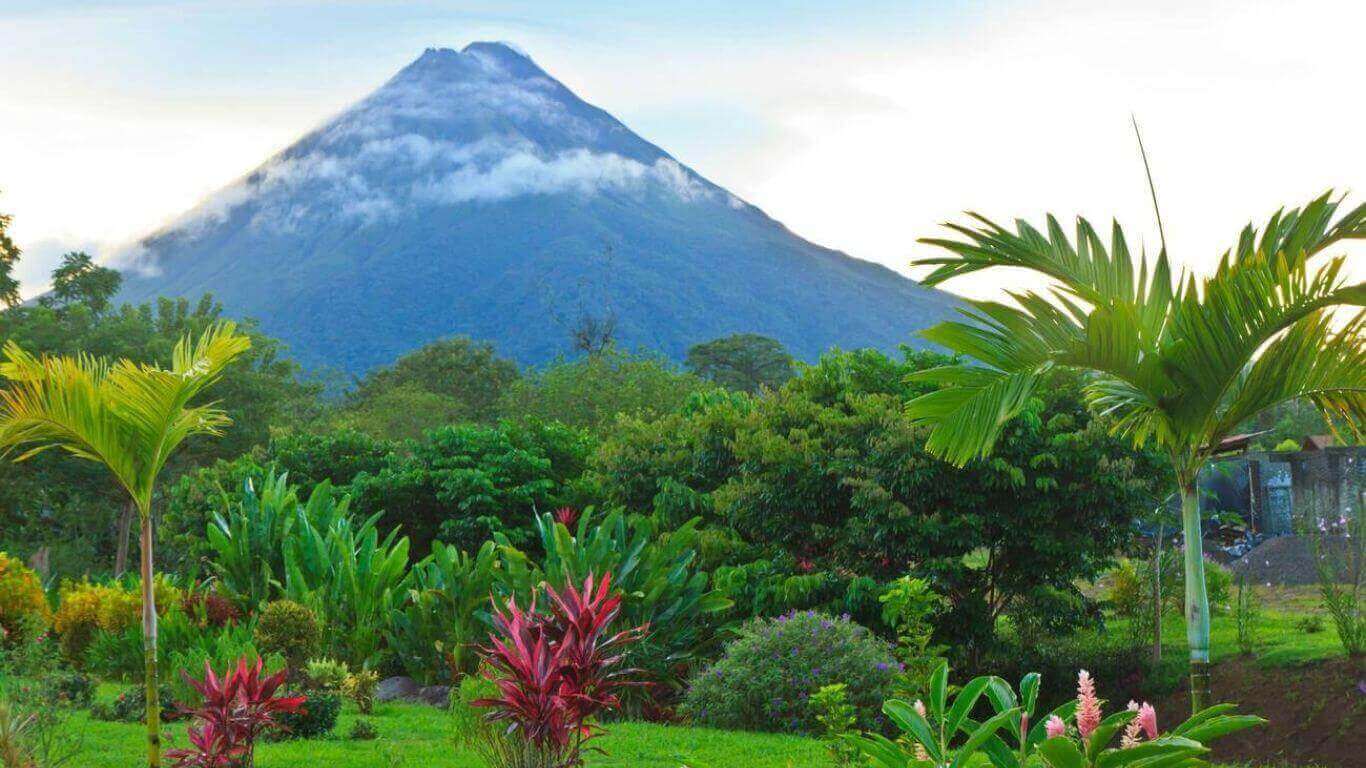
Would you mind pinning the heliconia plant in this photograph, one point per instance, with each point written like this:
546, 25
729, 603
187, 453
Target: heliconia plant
1088, 743
932, 729
235, 710
943, 735
556, 671
1024, 733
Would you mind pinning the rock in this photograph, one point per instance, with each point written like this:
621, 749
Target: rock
397, 688
436, 695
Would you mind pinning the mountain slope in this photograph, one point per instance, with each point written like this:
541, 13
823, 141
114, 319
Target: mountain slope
474, 194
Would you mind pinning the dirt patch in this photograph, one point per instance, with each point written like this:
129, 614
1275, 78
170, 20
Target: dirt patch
1316, 714
1281, 560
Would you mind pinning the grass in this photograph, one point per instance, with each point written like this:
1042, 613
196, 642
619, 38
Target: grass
1280, 642
413, 736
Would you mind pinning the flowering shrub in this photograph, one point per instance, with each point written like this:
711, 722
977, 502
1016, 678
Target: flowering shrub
1087, 742
556, 672
23, 604
236, 710
943, 733
766, 676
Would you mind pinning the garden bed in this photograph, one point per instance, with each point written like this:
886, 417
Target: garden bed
1316, 713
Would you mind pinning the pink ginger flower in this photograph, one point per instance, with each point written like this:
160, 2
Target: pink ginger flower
1055, 727
1088, 705
1133, 732
1147, 717
1144, 725
920, 753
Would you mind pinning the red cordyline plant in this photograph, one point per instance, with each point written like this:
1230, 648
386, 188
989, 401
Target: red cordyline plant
236, 709
556, 671
567, 516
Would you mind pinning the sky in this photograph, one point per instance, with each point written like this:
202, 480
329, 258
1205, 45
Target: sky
860, 125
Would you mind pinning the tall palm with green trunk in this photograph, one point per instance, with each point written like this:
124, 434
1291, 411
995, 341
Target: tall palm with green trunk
128, 417
1176, 363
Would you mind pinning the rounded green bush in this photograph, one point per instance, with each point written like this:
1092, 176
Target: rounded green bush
766, 676
289, 629
314, 720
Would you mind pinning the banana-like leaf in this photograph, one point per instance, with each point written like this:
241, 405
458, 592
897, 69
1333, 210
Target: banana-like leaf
911, 723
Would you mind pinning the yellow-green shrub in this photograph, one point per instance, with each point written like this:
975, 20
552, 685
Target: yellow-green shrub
289, 629
360, 688
87, 608
23, 604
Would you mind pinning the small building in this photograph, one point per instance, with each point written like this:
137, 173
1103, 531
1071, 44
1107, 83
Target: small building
1287, 490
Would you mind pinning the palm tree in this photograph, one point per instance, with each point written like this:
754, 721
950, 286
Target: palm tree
1178, 364
128, 417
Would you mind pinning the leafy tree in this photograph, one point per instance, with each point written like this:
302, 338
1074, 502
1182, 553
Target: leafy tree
337, 457
79, 280
829, 469
401, 413
466, 482
1178, 364
592, 391
128, 417
445, 382
9, 256
672, 464
746, 362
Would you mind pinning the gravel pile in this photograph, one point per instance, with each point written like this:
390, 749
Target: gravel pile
1284, 560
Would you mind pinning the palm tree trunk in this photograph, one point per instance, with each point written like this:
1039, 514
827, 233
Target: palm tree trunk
149, 645
1197, 600
1157, 594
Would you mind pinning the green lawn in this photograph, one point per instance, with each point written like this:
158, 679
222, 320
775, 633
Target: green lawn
420, 737
1280, 642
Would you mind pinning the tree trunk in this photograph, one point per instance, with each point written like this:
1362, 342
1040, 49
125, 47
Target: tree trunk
1197, 600
125, 529
149, 644
1157, 594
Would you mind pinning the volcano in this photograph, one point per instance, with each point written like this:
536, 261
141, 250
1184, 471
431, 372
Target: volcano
475, 194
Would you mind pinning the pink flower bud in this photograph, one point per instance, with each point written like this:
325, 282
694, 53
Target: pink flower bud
1055, 727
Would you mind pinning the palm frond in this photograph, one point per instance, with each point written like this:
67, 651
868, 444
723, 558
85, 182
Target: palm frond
1173, 362
967, 419
127, 416
1311, 361
1088, 270
1306, 231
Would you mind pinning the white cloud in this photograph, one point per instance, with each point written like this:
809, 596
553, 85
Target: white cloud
577, 171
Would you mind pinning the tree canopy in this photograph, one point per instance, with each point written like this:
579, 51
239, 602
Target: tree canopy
746, 362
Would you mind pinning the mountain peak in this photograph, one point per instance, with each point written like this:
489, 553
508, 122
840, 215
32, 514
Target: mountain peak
474, 193
483, 60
